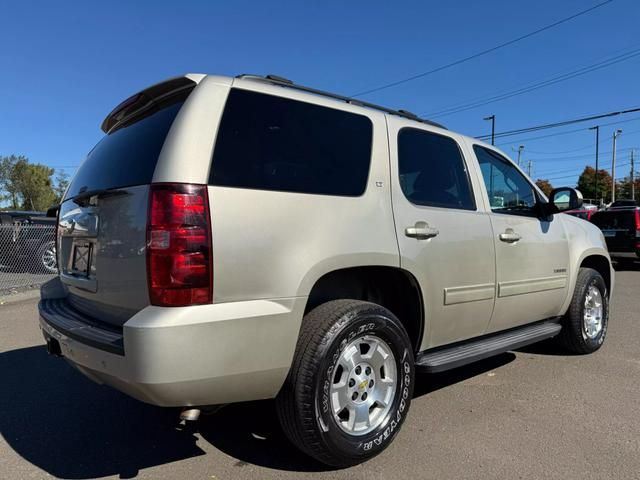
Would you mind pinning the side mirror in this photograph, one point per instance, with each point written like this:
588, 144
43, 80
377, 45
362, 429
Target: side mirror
53, 211
565, 198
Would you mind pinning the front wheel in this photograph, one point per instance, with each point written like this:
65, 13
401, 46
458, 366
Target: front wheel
350, 383
585, 325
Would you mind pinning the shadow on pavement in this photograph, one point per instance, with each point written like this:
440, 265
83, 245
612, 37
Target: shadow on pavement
427, 383
547, 347
626, 266
250, 433
72, 428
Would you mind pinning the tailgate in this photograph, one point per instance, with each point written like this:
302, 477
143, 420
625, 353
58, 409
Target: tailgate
102, 254
618, 228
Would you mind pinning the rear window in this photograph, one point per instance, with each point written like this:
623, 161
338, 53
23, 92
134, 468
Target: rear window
128, 154
614, 220
272, 143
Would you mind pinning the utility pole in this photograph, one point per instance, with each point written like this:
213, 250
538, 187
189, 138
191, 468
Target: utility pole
529, 169
520, 149
616, 134
595, 181
493, 128
633, 181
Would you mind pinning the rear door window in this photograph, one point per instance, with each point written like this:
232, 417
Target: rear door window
267, 142
128, 154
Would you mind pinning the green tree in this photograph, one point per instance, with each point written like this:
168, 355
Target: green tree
8, 187
544, 185
62, 182
623, 188
586, 184
26, 185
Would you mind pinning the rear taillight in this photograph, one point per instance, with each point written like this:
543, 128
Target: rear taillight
179, 266
637, 221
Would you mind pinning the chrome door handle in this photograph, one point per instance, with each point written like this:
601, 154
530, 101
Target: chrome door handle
421, 231
509, 236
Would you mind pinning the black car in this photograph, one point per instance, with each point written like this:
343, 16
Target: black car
27, 241
621, 229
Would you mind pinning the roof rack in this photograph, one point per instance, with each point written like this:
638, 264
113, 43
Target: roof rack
285, 82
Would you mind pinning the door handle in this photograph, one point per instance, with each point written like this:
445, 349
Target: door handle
421, 231
509, 236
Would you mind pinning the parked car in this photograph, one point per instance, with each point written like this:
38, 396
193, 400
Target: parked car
235, 239
27, 240
621, 229
624, 203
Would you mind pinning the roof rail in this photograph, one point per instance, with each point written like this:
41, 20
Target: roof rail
285, 82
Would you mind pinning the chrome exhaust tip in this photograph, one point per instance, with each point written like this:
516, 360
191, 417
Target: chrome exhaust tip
190, 414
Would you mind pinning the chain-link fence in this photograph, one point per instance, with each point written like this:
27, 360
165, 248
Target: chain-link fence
27, 256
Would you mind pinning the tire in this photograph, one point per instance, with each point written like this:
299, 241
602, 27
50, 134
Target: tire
44, 263
330, 334
581, 333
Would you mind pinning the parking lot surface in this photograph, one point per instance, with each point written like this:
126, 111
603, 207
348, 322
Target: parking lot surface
535, 413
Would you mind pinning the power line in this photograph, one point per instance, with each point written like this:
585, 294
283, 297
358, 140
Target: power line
624, 164
480, 54
538, 152
573, 157
510, 133
544, 83
529, 139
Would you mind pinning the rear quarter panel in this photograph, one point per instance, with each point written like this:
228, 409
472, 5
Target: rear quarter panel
270, 244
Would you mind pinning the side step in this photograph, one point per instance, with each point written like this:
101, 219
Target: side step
452, 356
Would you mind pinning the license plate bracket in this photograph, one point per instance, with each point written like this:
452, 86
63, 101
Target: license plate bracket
81, 259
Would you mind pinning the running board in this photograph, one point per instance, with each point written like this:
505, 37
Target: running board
452, 356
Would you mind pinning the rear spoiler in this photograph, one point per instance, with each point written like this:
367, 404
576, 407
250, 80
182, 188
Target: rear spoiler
148, 97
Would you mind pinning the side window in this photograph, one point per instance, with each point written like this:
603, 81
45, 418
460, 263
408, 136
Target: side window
432, 170
508, 190
267, 142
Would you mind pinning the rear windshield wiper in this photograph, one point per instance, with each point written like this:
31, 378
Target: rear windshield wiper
83, 197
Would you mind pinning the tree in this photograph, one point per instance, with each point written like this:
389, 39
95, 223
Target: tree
545, 186
8, 187
62, 182
623, 188
26, 185
586, 184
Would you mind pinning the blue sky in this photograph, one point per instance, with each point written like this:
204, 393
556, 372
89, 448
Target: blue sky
66, 64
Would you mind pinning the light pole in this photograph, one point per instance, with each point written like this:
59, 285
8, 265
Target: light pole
595, 181
633, 181
520, 149
493, 128
616, 134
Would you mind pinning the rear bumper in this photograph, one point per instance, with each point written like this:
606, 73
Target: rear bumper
204, 355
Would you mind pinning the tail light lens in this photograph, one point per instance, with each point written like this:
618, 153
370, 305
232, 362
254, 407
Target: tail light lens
179, 266
637, 220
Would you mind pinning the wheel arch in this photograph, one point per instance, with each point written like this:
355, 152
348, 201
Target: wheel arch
391, 287
602, 265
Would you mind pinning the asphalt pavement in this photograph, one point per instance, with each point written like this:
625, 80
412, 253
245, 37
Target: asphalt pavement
535, 413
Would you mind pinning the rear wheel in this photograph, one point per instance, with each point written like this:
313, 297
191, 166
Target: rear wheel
350, 383
585, 325
46, 261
